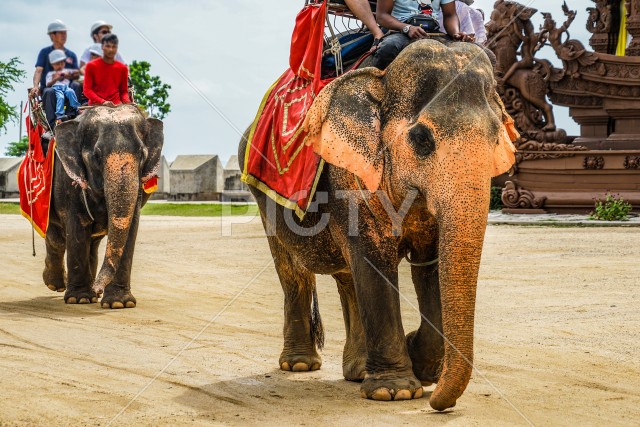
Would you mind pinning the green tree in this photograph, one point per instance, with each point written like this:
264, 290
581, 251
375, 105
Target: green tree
150, 93
10, 74
17, 148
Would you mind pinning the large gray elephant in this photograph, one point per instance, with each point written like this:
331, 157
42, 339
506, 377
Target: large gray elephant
428, 134
103, 159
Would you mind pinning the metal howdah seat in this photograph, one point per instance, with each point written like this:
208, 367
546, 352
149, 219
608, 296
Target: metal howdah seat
339, 7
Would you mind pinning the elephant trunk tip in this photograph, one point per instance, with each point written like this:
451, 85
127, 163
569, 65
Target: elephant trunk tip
448, 390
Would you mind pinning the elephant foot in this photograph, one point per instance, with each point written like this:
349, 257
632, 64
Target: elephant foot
117, 300
80, 297
549, 128
353, 367
54, 282
385, 387
425, 362
300, 362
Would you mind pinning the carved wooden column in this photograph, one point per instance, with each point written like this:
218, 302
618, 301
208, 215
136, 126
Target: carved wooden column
633, 26
599, 23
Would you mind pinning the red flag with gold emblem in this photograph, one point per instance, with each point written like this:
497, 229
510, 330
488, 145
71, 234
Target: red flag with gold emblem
277, 161
35, 179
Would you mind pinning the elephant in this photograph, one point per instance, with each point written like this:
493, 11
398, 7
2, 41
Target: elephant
429, 129
103, 159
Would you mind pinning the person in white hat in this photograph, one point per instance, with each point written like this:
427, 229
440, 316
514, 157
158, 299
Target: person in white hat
95, 52
57, 31
58, 80
99, 29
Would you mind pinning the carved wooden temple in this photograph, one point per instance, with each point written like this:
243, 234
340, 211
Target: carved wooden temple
554, 172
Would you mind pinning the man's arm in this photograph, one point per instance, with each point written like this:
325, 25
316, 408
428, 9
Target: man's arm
452, 24
124, 87
383, 12
37, 75
91, 95
362, 10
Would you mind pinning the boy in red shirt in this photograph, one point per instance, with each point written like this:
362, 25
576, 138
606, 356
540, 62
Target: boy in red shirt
105, 79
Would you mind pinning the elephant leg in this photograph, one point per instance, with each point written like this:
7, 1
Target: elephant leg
80, 278
54, 273
389, 370
117, 294
302, 325
354, 356
95, 245
426, 345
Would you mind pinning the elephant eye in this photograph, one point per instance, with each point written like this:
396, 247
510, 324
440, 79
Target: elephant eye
421, 138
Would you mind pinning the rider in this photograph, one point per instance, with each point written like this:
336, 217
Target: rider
105, 79
394, 14
99, 29
57, 31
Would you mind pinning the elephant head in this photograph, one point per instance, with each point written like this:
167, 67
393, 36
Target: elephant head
111, 152
432, 122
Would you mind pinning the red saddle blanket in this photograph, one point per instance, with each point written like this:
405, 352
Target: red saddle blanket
35, 179
277, 161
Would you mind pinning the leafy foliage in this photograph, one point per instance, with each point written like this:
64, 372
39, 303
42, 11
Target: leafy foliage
10, 74
612, 208
17, 148
496, 199
150, 93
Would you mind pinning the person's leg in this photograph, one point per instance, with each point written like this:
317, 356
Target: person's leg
49, 102
72, 110
77, 89
59, 91
388, 49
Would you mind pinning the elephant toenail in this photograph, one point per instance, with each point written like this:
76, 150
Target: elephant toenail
382, 394
300, 367
402, 395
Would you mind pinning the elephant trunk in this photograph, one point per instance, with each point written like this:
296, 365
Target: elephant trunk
121, 189
460, 248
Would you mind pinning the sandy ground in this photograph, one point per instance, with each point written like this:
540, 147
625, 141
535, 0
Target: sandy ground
557, 336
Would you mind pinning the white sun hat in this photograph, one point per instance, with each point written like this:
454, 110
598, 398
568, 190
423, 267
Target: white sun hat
57, 55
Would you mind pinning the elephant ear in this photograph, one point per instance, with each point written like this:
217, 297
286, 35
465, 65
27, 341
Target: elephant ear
153, 141
69, 150
504, 152
343, 124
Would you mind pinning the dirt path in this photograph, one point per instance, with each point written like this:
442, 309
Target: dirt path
557, 336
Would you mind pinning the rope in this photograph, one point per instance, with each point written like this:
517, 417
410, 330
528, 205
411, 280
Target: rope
421, 264
412, 263
86, 205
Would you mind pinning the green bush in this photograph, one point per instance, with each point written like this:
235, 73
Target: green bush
496, 199
612, 208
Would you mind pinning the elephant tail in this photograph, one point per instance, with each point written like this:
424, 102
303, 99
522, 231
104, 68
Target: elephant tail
317, 330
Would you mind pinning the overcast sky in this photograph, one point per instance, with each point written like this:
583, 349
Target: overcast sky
219, 56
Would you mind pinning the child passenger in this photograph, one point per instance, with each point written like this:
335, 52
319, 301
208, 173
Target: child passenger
58, 80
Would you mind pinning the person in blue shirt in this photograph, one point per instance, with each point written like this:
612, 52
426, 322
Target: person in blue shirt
394, 14
57, 31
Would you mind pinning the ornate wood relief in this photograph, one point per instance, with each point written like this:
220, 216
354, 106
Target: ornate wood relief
631, 162
593, 162
515, 197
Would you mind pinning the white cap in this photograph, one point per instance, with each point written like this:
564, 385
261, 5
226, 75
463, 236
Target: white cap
99, 24
96, 49
57, 55
56, 25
